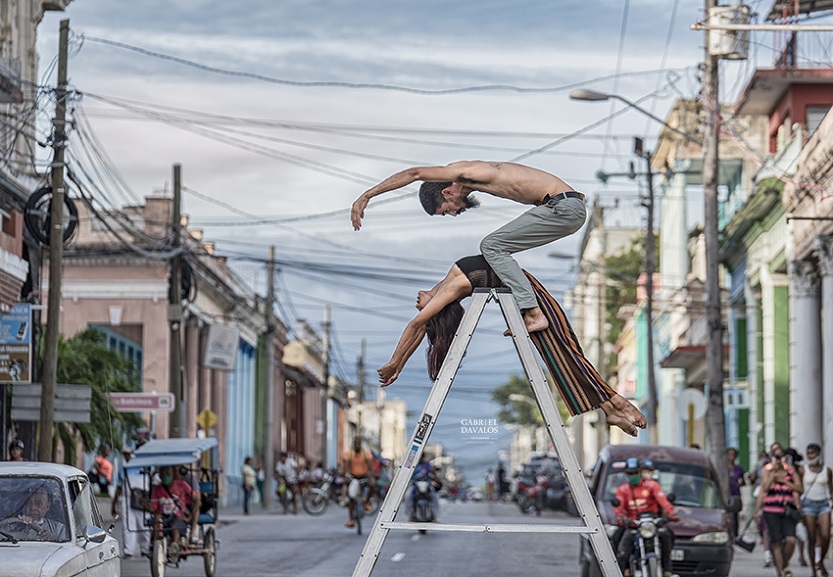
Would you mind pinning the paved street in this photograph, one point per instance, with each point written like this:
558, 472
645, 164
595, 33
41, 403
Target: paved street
304, 546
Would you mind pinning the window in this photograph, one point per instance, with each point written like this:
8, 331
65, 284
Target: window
815, 114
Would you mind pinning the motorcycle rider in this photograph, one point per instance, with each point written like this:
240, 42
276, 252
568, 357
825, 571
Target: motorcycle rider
636, 496
424, 471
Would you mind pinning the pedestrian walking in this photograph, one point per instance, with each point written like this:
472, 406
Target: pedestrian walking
815, 506
736, 480
261, 477
249, 475
490, 485
777, 506
130, 501
102, 470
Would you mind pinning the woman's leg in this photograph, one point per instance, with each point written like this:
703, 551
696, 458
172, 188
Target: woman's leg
810, 523
777, 556
822, 539
789, 549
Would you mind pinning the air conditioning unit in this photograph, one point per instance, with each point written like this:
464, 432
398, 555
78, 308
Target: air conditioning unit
729, 44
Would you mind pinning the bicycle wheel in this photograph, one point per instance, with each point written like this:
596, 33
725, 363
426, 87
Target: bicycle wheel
315, 502
358, 513
210, 553
158, 557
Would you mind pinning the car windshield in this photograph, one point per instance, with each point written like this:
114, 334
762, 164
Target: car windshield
692, 485
33, 509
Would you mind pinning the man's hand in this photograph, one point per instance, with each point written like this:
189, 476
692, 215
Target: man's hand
388, 374
357, 212
673, 517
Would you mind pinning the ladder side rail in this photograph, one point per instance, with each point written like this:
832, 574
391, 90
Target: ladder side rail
425, 424
546, 403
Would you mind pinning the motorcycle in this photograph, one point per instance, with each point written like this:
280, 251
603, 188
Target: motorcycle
646, 556
550, 491
423, 495
317, 499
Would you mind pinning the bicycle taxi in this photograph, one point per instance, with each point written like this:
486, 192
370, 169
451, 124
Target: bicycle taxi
194, 462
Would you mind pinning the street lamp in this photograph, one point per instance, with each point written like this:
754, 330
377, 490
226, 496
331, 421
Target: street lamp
594, 96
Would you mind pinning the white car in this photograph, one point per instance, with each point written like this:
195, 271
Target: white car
50, 525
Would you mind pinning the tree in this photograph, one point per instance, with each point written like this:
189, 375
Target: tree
624, 270
85, 359
522, 412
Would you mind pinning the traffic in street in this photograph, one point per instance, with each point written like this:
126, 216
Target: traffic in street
300, 545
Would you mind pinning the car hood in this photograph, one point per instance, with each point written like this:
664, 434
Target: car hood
41, 559
693, 520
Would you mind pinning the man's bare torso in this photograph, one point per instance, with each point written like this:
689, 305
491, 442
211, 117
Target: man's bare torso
512, 181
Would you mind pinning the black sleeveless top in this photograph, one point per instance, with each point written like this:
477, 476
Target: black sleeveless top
479, 273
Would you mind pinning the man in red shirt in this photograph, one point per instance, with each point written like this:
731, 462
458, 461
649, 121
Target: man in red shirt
170, 502
636, 496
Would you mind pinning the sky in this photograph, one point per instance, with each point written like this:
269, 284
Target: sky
282, 113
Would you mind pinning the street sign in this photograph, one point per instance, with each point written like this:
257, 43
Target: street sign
221, 348
139, 402
72, 403
16, 344
207, 419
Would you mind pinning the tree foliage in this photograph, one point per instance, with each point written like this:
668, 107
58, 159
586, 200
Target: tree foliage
624, 270
85, 359
521, 412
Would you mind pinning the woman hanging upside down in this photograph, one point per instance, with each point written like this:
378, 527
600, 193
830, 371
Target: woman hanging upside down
440, 312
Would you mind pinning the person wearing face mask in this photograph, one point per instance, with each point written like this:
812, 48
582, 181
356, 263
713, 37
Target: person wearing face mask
815, 506
171, 502
638, 495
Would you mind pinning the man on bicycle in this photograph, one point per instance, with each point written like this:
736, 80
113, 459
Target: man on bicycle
358, 463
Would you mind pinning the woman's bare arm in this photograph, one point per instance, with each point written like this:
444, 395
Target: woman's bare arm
456, 287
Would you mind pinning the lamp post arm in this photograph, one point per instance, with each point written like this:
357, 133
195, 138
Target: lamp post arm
656, 118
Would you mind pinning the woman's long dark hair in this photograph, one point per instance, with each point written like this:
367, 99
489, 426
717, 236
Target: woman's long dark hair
441, 329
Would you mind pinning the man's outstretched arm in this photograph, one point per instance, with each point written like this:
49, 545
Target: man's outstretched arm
452, 172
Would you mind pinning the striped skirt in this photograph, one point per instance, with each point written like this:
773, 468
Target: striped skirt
580, 385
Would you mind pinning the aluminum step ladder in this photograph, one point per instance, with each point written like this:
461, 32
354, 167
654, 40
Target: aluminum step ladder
592, 524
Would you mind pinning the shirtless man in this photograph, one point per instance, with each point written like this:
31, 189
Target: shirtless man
558, 211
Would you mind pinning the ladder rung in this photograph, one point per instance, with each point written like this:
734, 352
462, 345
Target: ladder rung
494, 528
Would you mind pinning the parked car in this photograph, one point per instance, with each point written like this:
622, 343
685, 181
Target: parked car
50, 525
703, 539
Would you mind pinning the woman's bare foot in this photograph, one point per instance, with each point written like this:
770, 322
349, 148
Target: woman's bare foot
624, 406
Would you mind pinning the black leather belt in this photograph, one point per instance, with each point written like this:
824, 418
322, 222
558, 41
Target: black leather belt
562, 196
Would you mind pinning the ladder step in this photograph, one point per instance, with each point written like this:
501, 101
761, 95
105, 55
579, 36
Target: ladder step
491, 528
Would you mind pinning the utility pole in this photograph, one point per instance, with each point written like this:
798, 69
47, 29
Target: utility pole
653, 431
56, 255
325, 391
269, 409
176, 426
714, 342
